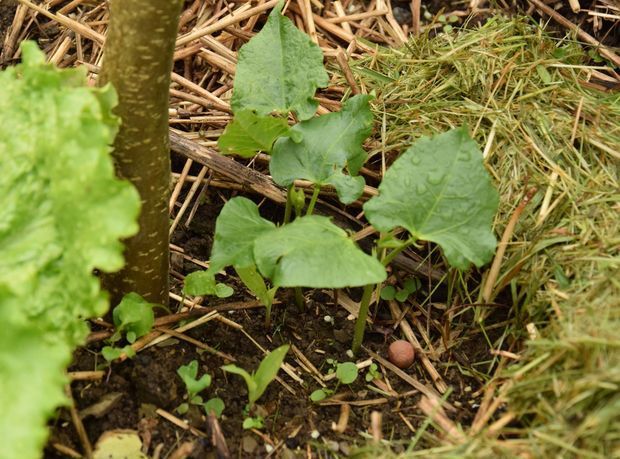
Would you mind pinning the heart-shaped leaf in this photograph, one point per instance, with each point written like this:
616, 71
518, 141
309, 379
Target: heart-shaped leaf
249, 133
313, 252
440, 191
279, 70
323, 147
237, 226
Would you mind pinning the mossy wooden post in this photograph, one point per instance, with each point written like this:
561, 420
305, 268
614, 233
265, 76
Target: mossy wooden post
137, 61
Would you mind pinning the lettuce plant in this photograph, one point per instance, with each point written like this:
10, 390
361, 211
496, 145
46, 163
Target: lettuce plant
62, 212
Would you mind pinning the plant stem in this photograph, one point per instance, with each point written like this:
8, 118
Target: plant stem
289, 205
389, 258
315, 196
360, 324
299, 299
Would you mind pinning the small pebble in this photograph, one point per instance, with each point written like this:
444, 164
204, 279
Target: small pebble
349, 353
401, 353
315, 434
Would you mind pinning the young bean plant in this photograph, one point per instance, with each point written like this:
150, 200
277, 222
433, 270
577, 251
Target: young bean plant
438, 189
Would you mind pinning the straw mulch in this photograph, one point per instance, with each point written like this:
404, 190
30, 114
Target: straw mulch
553, 145
550, 130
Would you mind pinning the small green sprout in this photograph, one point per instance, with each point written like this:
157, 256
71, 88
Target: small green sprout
410, 286
258, 381
194, 385
346, 373
133, 317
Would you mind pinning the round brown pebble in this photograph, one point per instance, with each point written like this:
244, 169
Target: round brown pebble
401, 353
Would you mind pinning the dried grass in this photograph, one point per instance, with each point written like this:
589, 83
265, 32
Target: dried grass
523, 96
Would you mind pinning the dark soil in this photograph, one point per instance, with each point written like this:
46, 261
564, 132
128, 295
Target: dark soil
7, 11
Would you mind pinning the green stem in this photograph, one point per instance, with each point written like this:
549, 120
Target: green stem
360, 324
389, 258
315, 196
289, 205
299, 299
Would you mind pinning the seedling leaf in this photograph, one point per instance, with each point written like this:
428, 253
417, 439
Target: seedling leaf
215, 406
249, 380
267, 371
279, 70
250, 133
346, 372
318, 395
388, 293
134, 315
313, 252
326, 145
253, 423
440, 191
188, 374
237, 226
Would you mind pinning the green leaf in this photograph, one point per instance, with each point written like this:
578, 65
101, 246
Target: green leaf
249, 380
267, 371
440, 191
223, 290
388, 293
249, 133
255, 282
62, 213
199, 283
237, 226
401, 296
412, 284
183, 408
188, 374
111, 353
318, 395
346, 372
134, 315
279, 70
329, 144
313, 252
215, 406
253, 423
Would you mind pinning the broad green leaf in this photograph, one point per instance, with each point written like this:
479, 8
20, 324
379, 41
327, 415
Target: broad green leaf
249, 133
134, 315
188, 374
313, 252
267, 371
388, 293
62, 213
279, 70
237, 226
440, 191
346, 372
249, 380
329, 144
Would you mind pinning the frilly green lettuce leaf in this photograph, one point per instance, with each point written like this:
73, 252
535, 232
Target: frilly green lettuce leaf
62, 213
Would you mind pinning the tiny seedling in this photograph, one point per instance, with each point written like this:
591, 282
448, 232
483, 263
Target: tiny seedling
389, 292
194, 385
200, 283
372, 373
258, 381
133, 317
346, 373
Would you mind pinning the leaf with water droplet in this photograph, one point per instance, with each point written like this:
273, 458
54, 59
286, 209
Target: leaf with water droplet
452, 201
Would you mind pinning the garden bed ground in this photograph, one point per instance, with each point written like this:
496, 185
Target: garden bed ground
548, 123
